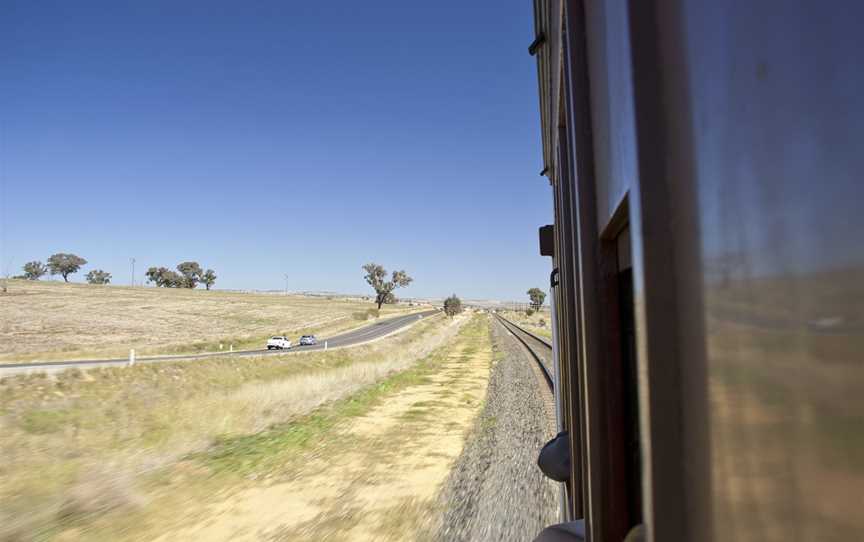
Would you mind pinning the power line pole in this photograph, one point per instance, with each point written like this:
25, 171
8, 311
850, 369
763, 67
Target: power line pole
286, 284
133, 272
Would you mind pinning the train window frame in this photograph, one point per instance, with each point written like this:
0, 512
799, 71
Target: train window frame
576, 139
620, 397
675, 481
595, 269
570, 359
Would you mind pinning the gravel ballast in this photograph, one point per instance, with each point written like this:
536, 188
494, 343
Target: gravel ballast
496, 491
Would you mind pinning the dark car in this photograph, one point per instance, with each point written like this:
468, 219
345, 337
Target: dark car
308, 340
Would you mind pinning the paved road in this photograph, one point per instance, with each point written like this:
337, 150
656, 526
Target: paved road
350, 338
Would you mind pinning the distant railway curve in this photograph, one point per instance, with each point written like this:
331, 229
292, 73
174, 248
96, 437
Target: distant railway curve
538, 347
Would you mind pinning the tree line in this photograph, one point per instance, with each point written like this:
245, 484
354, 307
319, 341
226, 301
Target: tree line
188, 274
63, 264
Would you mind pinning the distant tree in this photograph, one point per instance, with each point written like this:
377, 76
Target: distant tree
34, 270
165, 278
65, 264
155, 275
537, 296
97, 276
376, 276
191, 272
452, 306
208, 278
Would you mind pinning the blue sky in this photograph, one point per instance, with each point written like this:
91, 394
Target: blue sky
272, 138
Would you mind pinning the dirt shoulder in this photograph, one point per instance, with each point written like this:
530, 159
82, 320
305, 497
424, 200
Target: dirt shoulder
382, 428
373, 476
496, 491
111, 453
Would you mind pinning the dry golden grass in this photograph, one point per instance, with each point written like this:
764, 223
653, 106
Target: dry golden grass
53, 320
79, 445
392, 455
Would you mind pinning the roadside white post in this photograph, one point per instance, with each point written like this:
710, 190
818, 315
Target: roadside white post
325, 345
232, 347
131, 357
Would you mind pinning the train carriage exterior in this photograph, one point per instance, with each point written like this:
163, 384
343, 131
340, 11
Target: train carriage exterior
706, 161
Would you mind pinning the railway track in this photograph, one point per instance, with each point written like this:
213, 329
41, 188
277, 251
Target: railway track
539, 348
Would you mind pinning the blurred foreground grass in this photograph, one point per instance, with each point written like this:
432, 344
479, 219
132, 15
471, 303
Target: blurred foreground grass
83, 448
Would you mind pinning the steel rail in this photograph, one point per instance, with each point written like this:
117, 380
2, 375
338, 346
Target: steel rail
519, 333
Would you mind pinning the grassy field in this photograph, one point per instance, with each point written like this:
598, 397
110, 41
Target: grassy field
51, 320
92, 454
364, 468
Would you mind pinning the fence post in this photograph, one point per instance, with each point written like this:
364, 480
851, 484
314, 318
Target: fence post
131, 357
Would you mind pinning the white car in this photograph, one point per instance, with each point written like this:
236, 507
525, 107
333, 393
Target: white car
278, 343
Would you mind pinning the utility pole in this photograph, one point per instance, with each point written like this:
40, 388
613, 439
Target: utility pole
133, 272
286, 284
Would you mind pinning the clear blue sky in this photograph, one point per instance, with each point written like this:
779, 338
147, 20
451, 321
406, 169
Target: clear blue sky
265, 138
